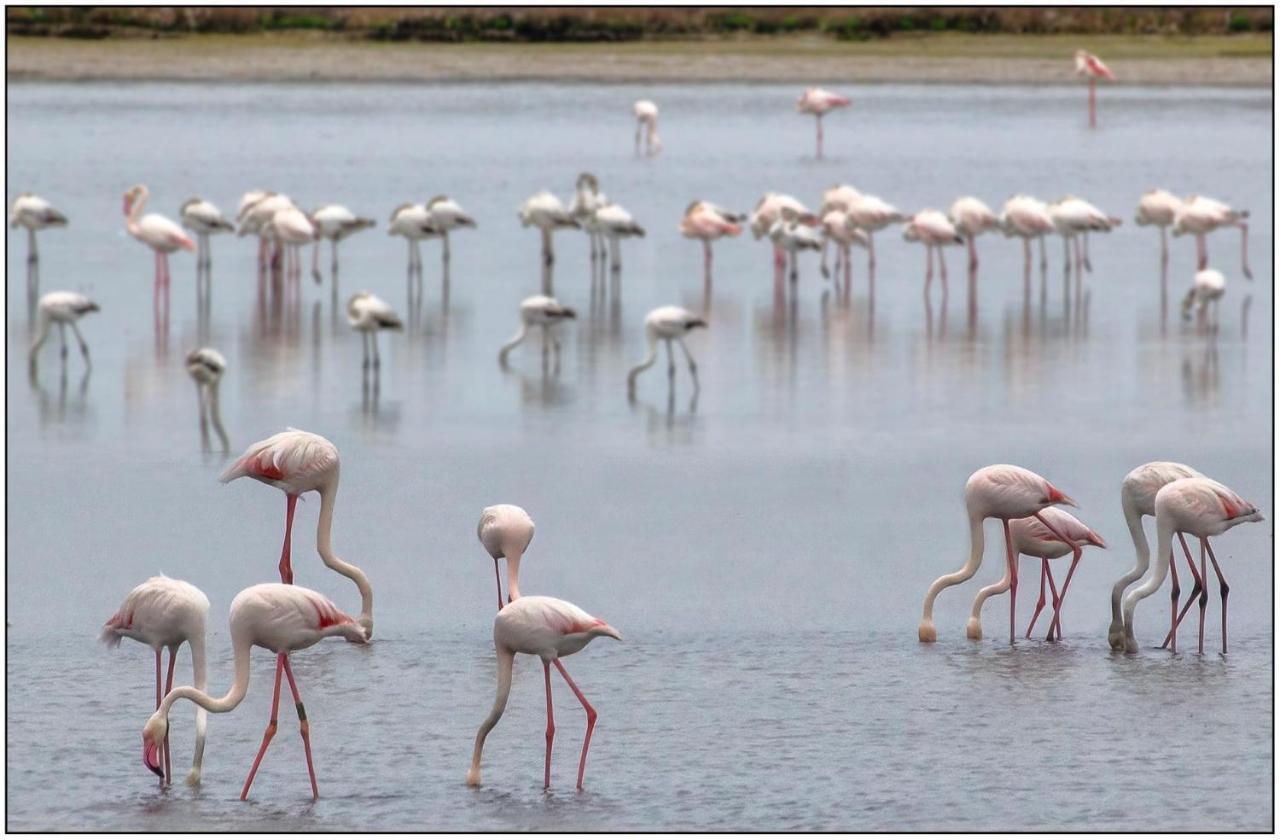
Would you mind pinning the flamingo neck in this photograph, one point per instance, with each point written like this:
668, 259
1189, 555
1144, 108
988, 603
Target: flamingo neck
328, 494
199, 677
1133, 519
513, 577
1155, 575
505, 660
977, 543
239, 685
135, 210
652, 338
515, 340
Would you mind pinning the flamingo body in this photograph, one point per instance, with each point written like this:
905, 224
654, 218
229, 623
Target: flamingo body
34, 213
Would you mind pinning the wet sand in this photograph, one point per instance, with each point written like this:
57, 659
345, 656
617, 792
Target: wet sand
998, 59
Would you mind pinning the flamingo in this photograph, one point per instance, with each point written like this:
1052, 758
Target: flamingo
505, 531
34, 213
158, 233
933, 229
1027, 218
1200, 215
335, 223
1033, 538
292, 229
1160, 208
616, 224
414, 223
1208, 289
1203, 508
203, 218
838, 197
206, 366
837, 227
368, 315
448, 215
768, 211
257, 208
972, 217
1138, 499
646, 113
668, 323
1003, 492
1089, 65
790, 235
281, 618
587, 199
163, 613
545, 212
298, 462
871, 213
708, 222
1073, 218
818, 102
538, 311
63, 309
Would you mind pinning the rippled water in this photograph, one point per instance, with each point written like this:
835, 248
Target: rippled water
763, 551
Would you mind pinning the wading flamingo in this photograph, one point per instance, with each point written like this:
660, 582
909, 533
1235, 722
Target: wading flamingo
538, 311
505, 531
298, 462
838, 227
871, 213
790, 235
257, 209
1158, 208
1200, 215
1027, 218
646, 113
335, 223
616, 224
206, 367
414, 223
768, 211
1003, 492
708, 222
1090, 66
63, 309
448, 215
545, 212
1074, 218
282, 619
34, 213
818, 102
203, 218
292, 229
932, 229
368, 315
1207, 289
161, 235
1138, 499
972, 217
838, 197
163, 613
587, 199
670, 324
1203, 508
1032, 538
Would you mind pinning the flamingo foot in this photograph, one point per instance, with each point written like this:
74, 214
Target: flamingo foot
974, 629
928, 633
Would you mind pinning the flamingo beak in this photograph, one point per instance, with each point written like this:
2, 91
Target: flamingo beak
151, 757
1057, 497
1097, 540
607, 630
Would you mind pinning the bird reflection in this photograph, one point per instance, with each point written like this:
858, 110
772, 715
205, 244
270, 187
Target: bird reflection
1200, 378
53, 408
1244, 315
33, 283
206, 366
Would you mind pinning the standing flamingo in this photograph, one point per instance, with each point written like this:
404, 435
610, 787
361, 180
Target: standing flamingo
63, 309
282, 619
768, 211
545, 212
203, 218
972, 217
587, 199
791, 235
1203, 508
871, 213
414, 223
257, 209
933, 229
1138, 499
668, 323
538, 311
1027, 218
448, 215
708, 222
646, 113
1159, 208
368, 315
1003, 492
1033, 538
335, 223
206, 366
839, 197
298, 462
505, 531
838, 227
163, 613
161, 235
818, 102
34, 213
1200, 215
1089, 65
1074, 218
616, 224
292, 229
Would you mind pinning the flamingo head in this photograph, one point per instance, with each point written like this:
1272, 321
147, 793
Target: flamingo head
1054, 496
131, 197
1096, 539
152, 740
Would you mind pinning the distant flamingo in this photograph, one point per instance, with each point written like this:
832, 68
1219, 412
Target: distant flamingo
708, 222
871, 213
1203, 508
282, 619
292, 229
298, 462
1089, 65
818, 102
839, 197
447, 215
1138, 499
1027, 218
1159, 208
587, 199
414, 223
647, 127
335, 223
161, 235
838, 227
932, 229
206, 366
203, 218
163, 613
538, 311
791, 236
257, 209
63, 309
1200, 215
34, 213
505, 531
368, 315
1207, 289
545, 212
616, 224
1003, 492
669, 324
768, 211
1033, 538
1074, 218
972, 217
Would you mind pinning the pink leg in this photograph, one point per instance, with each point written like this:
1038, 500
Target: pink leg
551, 728
1044, 569
591, 720
1013, 577
271, 729
1244, 251
1199, 589
871, 252
1173, 605
1058, 599
1223, 590
1093, 102
168, 686
303, 726
973, 254
942, 267
498, 578
1057, 605
928, 267
1204, 573
706, 259
1202, 253
158, 696
819, 118
286, 566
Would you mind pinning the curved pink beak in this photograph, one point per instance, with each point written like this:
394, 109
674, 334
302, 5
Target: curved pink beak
151, 758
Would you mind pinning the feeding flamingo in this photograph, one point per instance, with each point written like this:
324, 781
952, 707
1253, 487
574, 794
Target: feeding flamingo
1203, 508
932, 229
1089, 65
646, 113
1207, 289
335, 223
669, 324
163, 613
63, 309
818, 102
1200, 215
545, 212
283, 619
206, 366
538, 311
972, 217
1159, 208
298, 462
708, 222
1033, 538
158, 233
838, 197
368, 315
1003, 492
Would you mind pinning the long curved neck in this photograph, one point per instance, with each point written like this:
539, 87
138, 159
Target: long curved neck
505, 660
41, 335
135, 209
652, 338
239, 685
1133, 519
199, 677
515, 340
1155, 575
513, 577
977, 543
215, 415
333, 561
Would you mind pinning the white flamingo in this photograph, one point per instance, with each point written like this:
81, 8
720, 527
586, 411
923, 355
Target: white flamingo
545, 212
63, 309
539, 311
335, 223
646, 113
669, 324
368, 315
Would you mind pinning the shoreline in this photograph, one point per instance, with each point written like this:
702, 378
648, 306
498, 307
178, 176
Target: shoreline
1244, 61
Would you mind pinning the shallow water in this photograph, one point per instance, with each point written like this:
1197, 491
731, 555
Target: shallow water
763, 551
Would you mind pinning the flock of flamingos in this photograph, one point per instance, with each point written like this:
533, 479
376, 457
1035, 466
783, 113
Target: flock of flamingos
283, 617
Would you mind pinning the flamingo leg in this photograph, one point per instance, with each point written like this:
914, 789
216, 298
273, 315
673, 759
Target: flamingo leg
1202, 252
973, 253
1200, 589
1059, 598
168, 686
286, 568
706, 259
942, 268
1223, 590
1093, 102
1204, 597
819, 120
159, 695
1013, 577
551, 726
270, 732
1057, 605
303, 726
498, 578
1044, 570
591, 719
1244, 251
1173, 606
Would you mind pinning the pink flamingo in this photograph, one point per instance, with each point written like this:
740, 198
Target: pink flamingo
1033, 538
1003, 492
768, 211
281, 618
1201, 215
972, 217
298, 462
1203, 508
1088, 64
1027, 218
162, 235
708, 222
871, 213
932, 229
818, 102
162, 612
1159, 208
